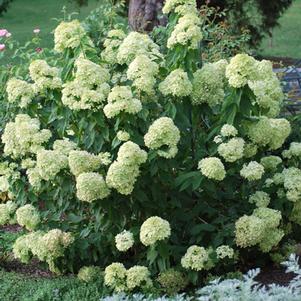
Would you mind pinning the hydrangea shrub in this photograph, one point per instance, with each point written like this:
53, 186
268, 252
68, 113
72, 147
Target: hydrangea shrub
137, 158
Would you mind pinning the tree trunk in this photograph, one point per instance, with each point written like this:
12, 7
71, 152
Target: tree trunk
144, 15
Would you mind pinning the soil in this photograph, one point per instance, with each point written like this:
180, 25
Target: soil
11, 228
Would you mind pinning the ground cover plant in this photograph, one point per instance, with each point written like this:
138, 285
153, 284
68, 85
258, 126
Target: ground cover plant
135, 158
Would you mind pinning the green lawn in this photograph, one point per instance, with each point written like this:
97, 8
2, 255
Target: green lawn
286, 41
25, 15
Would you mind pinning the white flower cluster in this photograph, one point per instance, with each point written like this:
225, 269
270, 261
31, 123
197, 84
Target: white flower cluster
89, 89
154, 229
44, 76
163, 132
252, 171
118, 278
294, 151
208, 84
142, 71
123, 172
224, 251
121, 100
19, 92
69, 35
195, 258
7, 211
232, 150
28, 217
23, 136
260, 199
124, 241
137, 44
123, 136
111, 45
177, 84
212, 168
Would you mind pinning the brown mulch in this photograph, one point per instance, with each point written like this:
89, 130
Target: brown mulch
11, 228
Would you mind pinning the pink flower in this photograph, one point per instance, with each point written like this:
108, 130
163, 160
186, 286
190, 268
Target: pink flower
2, 47
3, 32
8, 35
36, 30
39, 49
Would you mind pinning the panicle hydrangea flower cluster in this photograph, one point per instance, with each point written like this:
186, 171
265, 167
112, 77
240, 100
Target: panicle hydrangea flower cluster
260, 199
124, 241
176, 84
91, 186
28, 216
7, 211
208, 84
224, 251
83, 162
163, 132
232, 150
123, 136
89, 273
121, 100
89, 89
196, 258
172, 281
270, 163
137, 44
123, 172
23, 136
69, 35
111, 45
44, 76
142, 71
293, 151
252, 171
187, 32
212, 168
154, 229
19, 92
46, 246
269, 132
259, 228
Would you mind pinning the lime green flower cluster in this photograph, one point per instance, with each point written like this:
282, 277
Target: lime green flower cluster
259, 228
187, 32
44, 76
91, 186
163, 132
137, 44
177, 84
250, 150
270, 163
121, 100
89, 89
172, 5
224, 251
232, 150
23, 136
7, 211
28, 216
121, 280
83, 162
111, 45
46, 246
212, 168
142, 71
228, 130
123, 136
89, 273
208, 84
20, 92
252, 171
69, 35
291, 183
293, 151
196, 258
124, 241
50, 163
8, 171
154, 229
260, 199
123, 172
172, 281
64, 146
269, 132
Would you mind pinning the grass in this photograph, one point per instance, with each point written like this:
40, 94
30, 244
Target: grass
286, 40
25, 15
